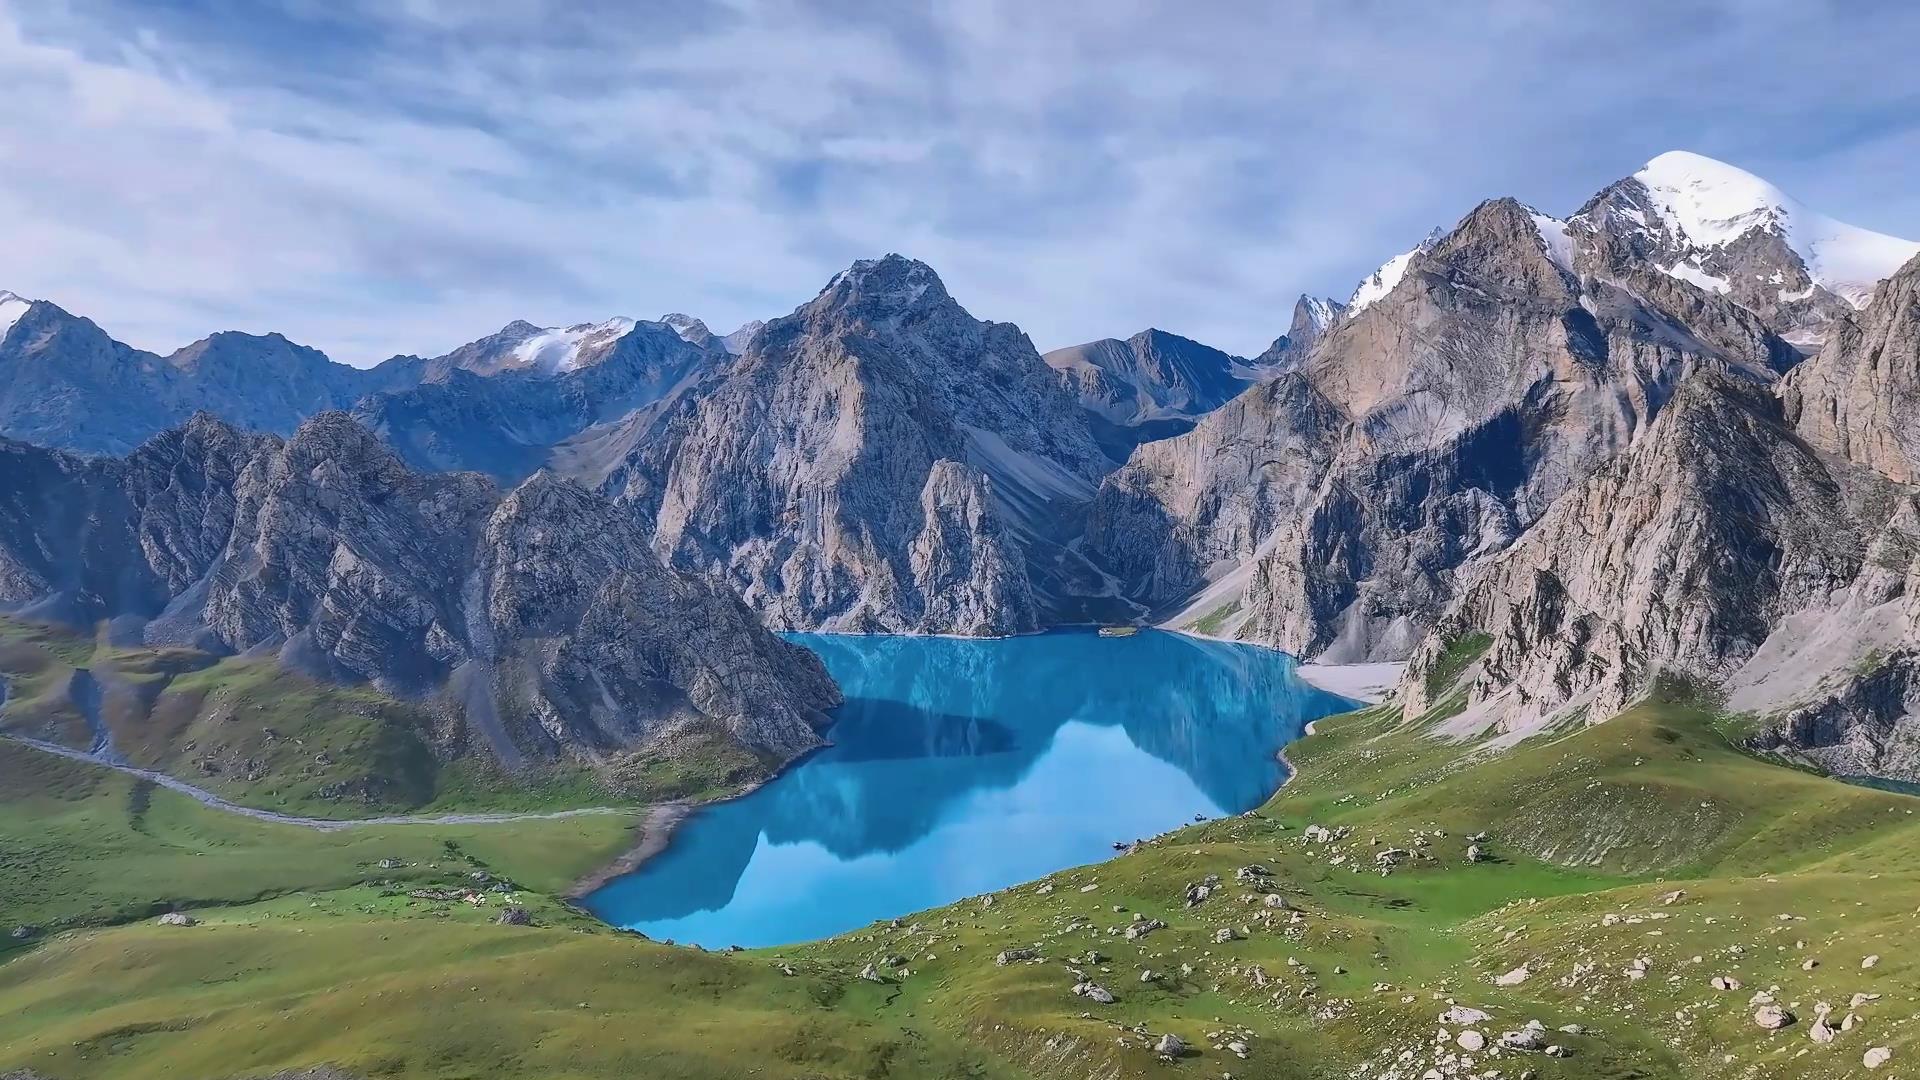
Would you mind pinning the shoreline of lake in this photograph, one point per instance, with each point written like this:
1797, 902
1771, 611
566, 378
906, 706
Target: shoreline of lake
1195, 719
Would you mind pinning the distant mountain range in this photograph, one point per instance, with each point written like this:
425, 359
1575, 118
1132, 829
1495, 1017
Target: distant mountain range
1545, 459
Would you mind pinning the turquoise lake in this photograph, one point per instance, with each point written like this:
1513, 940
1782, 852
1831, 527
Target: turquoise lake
962, 766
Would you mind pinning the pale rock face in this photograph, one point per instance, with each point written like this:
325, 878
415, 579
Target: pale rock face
818, 475
542, 619
1675, 559
1446, 417
1859, 398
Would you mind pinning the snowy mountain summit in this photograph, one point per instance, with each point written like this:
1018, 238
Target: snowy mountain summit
1731, 232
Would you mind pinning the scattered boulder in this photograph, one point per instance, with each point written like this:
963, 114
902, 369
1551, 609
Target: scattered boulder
1476, 853
1673, 897
1462, 1016
514, 916
1724, 982
1869, 962
1533, 1038
1094, 992
1772, 1017
1014, 956
1171, 1046
24, 932
872, 974
178, 918
1471, 1041
1876, 1057
1513, 978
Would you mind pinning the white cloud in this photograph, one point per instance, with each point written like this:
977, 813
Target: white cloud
375, 178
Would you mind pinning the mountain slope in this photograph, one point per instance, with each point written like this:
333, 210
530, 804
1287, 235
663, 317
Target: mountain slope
499, 405
64, 383
538, 621
878, 460
1152, 385
1486, 383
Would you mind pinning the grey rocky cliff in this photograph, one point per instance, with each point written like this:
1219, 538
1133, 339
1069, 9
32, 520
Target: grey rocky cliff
832, 473
541, 618
1486, 384
1763, 540
1675, 559
1859, 397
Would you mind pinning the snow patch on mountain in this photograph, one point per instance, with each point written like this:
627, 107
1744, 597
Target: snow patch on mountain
560, 349
1711, 204
1555, 238
1382, 281
12, 306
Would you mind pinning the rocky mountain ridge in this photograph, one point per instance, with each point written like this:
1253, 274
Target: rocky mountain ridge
538, 617
877, 461
1544, 462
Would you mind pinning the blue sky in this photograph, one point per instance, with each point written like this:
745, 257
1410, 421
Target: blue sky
382, 176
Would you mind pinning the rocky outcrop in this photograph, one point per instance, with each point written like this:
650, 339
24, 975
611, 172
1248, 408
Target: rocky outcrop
1859, 398
1183, 509
1676, 559
1313, 316
541, 618
833, 473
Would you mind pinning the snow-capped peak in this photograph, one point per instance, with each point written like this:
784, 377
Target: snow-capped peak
1710, 204
1320, 312
689, 328
736, 342
12, 306
561, 348
1382, 281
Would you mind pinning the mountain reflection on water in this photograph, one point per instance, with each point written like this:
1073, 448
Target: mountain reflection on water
960, 766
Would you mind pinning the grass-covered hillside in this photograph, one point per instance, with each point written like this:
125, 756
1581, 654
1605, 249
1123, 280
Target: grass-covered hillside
1625, 867
252, 732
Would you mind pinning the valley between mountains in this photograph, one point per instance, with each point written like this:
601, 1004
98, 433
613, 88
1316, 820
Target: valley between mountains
1625, 502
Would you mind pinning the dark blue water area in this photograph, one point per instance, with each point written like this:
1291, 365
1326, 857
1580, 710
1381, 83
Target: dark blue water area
960, 766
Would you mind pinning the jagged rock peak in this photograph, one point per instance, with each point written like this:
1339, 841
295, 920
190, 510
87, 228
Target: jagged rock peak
888, 287
1312, 317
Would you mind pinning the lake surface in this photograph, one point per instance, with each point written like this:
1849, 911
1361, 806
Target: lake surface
962, 766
